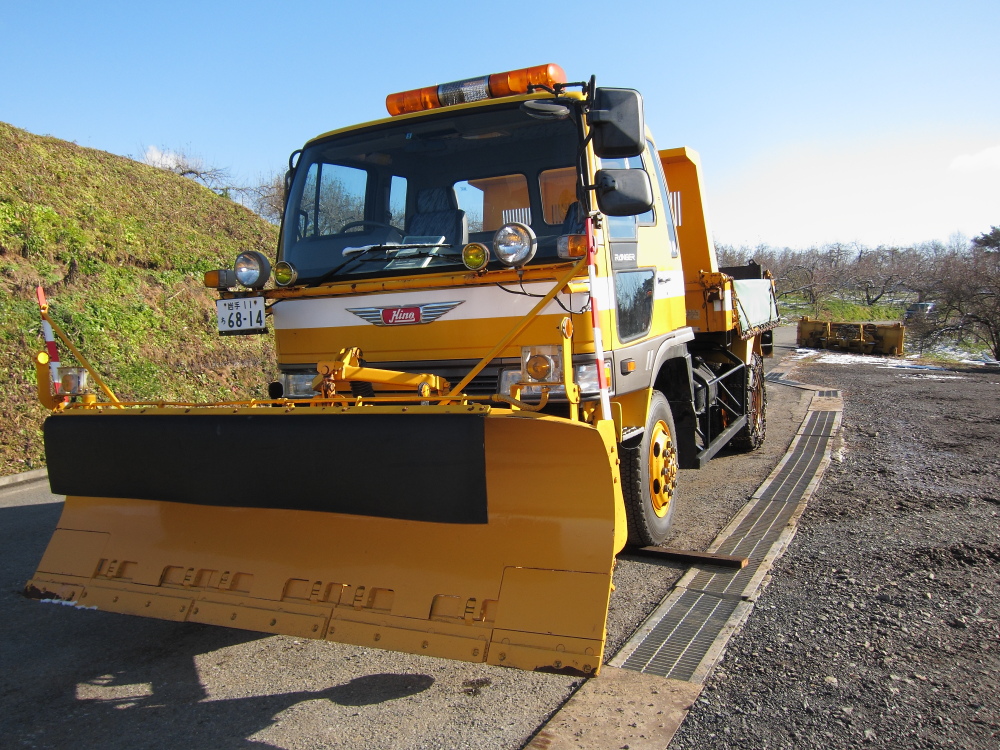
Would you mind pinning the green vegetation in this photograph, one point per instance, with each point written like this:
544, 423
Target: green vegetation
120, 248
844, 311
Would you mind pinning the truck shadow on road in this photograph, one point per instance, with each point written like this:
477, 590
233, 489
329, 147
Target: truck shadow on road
71, 678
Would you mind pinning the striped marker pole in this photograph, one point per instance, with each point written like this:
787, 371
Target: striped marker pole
50, 341
595, 320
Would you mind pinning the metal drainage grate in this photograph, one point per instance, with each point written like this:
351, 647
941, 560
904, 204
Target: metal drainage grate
678, 643
681, 633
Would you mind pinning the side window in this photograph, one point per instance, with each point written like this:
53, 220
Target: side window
333, 196
558, 190
491, 202
397, 202
634, 295
667, 198
621, 227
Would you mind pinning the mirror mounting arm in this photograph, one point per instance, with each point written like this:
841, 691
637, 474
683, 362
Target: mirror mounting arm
557, 88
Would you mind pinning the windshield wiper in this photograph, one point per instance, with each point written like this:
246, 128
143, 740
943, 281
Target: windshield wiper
359, 254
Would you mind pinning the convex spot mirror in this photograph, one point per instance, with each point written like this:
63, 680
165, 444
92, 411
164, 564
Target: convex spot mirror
616, 122
545, 110
623, 192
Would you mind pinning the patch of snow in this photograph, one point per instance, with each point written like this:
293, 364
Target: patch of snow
66, 603
932, 377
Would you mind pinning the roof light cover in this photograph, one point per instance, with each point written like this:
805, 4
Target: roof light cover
494, 86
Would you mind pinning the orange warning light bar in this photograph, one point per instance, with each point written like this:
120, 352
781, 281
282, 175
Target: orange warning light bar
474, 89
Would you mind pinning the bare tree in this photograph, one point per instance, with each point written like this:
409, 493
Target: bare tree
969, 293
816, 273
268, 197
193, 167
880, 273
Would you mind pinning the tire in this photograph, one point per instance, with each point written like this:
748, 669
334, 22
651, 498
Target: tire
649, 470
751, 436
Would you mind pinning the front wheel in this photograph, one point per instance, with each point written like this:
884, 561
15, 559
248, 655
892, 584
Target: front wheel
649, 477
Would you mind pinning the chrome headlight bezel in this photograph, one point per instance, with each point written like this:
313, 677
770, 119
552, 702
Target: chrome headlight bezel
475, 256
514, 244
285, 274
252, 269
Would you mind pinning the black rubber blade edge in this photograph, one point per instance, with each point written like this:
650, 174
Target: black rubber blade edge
412, 467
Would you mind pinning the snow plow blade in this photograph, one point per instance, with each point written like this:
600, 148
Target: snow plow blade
885, 339
455, 531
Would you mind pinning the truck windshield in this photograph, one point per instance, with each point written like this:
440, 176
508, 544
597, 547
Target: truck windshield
405, 197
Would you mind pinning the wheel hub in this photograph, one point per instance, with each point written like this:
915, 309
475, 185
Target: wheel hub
662, 468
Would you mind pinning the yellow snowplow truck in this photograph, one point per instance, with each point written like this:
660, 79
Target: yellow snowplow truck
501, 330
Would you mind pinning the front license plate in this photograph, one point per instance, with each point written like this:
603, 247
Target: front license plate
237, 316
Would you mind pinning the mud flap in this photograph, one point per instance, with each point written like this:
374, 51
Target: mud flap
466, 533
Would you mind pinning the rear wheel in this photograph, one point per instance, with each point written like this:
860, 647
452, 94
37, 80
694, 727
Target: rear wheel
751, 436
649, 477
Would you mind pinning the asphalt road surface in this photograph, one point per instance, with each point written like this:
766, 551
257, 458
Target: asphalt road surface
89, 679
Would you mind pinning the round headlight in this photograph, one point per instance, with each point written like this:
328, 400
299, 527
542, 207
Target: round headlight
514, 244
539, 367
252, 269
475, 256
284, 273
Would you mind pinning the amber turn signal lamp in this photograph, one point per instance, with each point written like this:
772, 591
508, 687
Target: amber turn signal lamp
221, 278
572, 246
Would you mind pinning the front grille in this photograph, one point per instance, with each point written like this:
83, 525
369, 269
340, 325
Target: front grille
484, 384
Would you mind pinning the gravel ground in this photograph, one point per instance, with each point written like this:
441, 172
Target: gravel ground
880, 625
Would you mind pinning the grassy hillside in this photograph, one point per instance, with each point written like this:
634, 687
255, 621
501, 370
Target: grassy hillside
120, 248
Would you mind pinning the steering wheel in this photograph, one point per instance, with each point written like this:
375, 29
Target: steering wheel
364, 223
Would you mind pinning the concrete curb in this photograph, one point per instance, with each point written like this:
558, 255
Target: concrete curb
29, 476
619, 709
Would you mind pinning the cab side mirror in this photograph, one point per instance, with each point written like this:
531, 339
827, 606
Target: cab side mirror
623, 192
616, 122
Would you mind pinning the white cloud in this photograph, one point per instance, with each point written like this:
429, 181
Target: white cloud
987, 159
893, 190
156, 157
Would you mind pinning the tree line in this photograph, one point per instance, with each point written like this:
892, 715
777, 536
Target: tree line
960, 279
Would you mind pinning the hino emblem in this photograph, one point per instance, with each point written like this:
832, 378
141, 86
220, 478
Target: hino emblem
404, 315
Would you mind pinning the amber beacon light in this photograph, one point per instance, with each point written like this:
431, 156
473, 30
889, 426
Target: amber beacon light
474, 89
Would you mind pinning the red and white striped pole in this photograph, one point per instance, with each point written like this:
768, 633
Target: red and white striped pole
595, 320
50, 340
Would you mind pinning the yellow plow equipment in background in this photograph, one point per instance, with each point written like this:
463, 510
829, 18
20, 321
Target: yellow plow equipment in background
859, 338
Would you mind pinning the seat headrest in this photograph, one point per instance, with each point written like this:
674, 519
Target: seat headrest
436, 199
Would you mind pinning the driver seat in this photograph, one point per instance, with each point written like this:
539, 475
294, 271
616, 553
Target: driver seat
438, 214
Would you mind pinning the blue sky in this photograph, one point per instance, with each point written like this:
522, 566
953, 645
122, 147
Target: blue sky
872, 122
